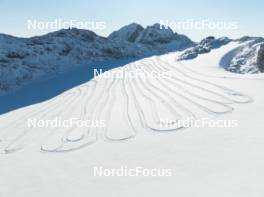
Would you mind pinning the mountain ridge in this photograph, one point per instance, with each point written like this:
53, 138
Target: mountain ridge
25, 59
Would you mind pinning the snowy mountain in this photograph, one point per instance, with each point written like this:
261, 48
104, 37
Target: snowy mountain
152, 36
26, 59
247, 58
23, 60
128, 33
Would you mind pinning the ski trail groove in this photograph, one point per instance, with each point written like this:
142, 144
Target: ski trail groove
150, 98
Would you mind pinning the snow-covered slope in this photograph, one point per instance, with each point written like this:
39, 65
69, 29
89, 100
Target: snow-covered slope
221, 161
176, 90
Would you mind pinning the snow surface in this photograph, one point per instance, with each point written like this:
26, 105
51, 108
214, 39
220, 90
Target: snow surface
204, 161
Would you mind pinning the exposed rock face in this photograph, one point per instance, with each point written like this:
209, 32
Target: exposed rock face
260, 58
250, 39
248, 58
205, 46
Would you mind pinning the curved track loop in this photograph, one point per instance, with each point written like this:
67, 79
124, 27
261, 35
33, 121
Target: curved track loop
139, 102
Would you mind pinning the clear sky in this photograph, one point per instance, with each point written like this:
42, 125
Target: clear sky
14, 14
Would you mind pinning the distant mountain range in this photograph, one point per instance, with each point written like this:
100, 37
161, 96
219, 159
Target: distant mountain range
25, 59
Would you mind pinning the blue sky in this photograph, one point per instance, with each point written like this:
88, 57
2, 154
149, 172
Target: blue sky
116, 13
